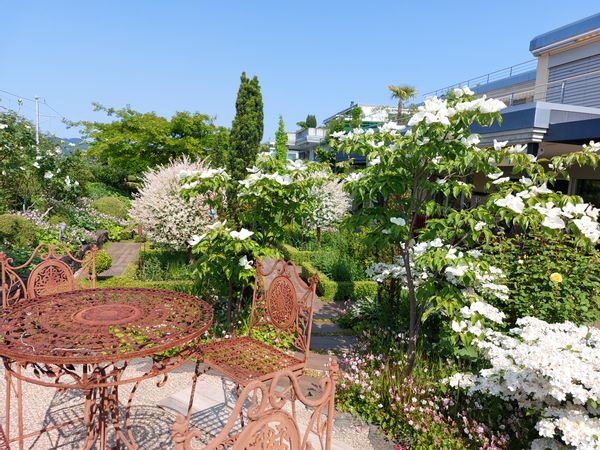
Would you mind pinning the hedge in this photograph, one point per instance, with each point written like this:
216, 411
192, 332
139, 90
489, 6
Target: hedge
169, 285
328, 289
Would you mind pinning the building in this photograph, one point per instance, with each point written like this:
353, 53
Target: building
553, 100
302, 144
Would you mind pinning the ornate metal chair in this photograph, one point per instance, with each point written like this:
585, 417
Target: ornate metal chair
3, 440
270, 422
282, 305
58, 271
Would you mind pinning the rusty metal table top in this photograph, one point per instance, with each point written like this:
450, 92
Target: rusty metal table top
97, 325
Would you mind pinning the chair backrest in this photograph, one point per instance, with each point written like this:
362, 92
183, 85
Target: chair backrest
283, 302
58, 271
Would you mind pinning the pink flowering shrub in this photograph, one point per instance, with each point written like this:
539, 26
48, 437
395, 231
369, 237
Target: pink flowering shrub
419, 411
166, 217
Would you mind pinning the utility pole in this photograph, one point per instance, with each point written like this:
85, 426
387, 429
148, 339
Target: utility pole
37, 120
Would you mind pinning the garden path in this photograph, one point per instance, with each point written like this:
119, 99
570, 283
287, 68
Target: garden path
327, 336
122, 254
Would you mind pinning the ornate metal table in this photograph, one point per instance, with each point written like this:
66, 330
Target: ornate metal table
85, 339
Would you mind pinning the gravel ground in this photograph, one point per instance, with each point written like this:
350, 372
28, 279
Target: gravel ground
44, 407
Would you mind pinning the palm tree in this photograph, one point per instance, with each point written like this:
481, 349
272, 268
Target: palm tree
402, 93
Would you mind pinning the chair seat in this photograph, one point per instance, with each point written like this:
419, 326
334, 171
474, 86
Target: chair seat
244, 359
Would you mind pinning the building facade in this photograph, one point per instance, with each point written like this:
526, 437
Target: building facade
553, 100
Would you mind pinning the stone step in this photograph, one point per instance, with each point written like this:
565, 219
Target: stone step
326, 328
328, 310
335, 344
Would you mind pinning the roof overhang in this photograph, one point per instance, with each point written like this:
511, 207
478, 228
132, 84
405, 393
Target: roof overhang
566, 36
534, 122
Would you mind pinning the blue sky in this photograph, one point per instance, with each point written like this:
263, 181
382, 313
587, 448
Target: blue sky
310, 56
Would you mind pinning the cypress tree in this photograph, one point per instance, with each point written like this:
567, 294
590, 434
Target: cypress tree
280, 141
247, 127
311, 121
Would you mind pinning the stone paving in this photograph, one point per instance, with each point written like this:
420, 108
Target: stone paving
122, 254
154, 411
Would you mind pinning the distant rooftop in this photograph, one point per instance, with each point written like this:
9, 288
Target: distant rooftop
576, 30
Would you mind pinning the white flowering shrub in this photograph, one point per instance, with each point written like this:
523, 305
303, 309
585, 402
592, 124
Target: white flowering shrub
274, 194
332, 203
553, 369
411, 190
166, 217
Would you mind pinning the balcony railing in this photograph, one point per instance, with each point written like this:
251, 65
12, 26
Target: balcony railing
581, 90
500, 74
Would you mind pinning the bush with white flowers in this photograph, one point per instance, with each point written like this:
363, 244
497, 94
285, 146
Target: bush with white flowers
412, 193
551, 369
332, 203
166, 217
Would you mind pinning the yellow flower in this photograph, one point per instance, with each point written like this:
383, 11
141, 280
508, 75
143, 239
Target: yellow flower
556, 278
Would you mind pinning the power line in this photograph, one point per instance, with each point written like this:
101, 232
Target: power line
18, 96
60, 115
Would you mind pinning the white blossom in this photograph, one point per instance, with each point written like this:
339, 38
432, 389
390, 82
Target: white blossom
554, 368
398, 221
499, 144
244, 263
241, 235
511, 202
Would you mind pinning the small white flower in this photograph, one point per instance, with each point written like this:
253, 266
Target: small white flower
374, 161
3, 126
297, 164
479, 226
195, 240
501, 180
494, 176
48, 175
244, 263
241, 235
511, 202
398, 221
499, 144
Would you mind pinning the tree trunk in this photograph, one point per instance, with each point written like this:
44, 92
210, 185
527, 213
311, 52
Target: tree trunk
319, 236
413, 326
399, 112
229, 305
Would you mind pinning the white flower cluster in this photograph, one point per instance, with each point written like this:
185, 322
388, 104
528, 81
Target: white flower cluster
554, 368
593, 147
241, 235
201, 174
354, 176
458, 265
583, 215
257, 174
482, 104
332, 203
483, 309
165, 216
436, 110
471, 315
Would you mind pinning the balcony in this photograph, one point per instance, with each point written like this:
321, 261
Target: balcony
308, 137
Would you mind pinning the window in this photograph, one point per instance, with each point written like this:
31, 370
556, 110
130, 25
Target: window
589, 190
